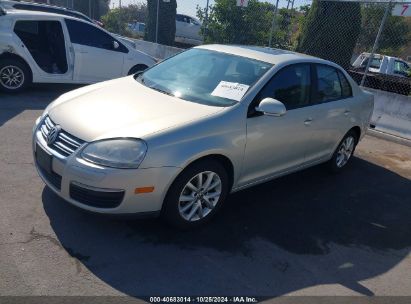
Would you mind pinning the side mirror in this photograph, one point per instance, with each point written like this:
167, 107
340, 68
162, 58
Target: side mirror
116, 45
271, 107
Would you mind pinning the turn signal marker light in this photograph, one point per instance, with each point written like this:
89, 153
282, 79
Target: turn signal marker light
144, 190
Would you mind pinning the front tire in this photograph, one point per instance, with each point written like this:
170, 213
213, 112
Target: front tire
14, 76
196, 195
344, 152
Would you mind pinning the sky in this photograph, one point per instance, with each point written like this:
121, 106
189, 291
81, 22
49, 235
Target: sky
188, 7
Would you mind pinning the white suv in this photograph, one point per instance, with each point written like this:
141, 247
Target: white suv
44, 47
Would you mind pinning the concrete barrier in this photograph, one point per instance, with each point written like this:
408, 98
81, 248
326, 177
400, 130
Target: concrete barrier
156, 50
392, 113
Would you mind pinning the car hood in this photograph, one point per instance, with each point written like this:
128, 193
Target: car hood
122, 108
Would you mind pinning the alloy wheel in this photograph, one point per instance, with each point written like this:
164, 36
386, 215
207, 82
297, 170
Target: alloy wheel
200, 196
345, 151
11, 77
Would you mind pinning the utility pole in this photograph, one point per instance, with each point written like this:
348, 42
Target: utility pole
158, 11
270, 42
375, 46
206, 21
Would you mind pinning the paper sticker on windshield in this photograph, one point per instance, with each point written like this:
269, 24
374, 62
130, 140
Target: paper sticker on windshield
230, 90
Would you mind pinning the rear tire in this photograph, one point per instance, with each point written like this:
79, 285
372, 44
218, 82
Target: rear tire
344, 152
196, 195
15, 76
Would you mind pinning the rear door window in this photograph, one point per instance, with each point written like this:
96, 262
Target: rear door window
345, 85
89, 35
328, 84
46, 43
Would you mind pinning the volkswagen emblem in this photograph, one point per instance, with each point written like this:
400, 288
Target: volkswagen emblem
53, 134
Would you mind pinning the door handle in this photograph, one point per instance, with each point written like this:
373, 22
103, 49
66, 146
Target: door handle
347, 112
308, 121
83, 52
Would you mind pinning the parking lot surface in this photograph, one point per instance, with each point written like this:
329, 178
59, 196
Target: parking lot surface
310, 233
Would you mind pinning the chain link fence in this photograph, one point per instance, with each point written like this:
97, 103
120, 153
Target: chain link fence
370, 39
346, 32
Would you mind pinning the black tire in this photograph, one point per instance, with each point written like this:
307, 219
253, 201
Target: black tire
137, 68
171, 207
20, 67
334, 163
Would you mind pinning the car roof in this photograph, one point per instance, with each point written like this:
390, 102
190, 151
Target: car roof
24, 13
13, 13
8, 7
270, 55
9, 4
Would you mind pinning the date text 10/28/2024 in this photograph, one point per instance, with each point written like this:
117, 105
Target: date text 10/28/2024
236, 299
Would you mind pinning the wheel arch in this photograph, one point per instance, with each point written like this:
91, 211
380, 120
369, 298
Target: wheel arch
139, 66
357, 131
222, 159
8, 55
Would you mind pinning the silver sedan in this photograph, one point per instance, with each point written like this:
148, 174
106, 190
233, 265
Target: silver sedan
176, 139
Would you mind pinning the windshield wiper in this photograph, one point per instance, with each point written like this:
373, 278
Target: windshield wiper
161, 91
140, 79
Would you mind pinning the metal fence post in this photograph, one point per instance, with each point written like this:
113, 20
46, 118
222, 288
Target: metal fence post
273, 25
375, 46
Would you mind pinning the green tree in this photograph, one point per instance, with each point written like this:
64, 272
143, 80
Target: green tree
166, 21
93, 8
231, 24
331, 31
394, 37
115, 20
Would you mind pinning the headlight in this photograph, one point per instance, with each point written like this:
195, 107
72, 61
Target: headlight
117, 153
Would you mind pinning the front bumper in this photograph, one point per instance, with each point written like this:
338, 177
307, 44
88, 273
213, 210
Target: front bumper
100, 189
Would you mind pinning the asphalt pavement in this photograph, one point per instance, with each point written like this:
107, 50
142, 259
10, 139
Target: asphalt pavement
309, 233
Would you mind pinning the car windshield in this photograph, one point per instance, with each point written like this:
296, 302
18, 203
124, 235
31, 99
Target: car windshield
205, 76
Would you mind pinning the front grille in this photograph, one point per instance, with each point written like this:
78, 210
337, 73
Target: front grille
65, 144
53, 178
95, 198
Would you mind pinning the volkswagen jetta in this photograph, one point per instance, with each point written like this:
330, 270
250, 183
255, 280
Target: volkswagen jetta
177, 138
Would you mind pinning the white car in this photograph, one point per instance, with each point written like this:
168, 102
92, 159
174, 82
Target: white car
44, 47
177, 138
188, 30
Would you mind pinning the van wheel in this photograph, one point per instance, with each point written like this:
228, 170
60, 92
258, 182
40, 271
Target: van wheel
137, 68
196, 194
14, 76
344, 152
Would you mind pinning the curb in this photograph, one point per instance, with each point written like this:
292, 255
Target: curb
389, 137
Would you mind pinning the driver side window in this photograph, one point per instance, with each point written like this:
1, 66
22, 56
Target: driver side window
400, 68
